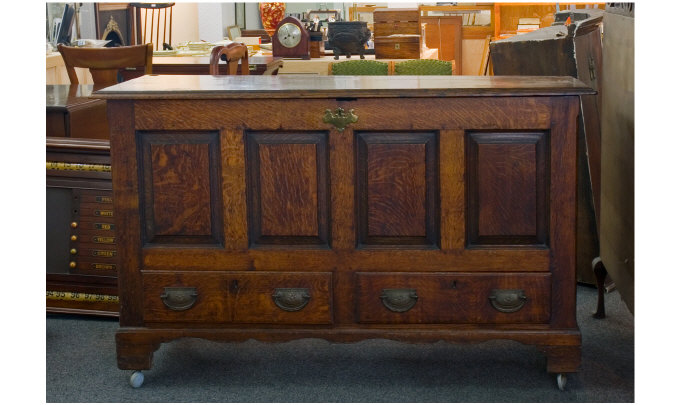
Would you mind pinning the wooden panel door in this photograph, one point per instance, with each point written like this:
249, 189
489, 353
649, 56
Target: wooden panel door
288, 188
397, 188
508, 177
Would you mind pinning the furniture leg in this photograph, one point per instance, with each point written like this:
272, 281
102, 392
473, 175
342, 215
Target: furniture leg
562, 359
134, 354
600, 275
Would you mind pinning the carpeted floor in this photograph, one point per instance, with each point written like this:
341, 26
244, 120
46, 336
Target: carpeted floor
81, 367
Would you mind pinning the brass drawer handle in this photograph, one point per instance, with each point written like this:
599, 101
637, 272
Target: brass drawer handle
399, 299
291, 299
507, 300
340, 119
179, 298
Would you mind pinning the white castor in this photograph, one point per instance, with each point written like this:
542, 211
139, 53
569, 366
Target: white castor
561, 381
137, 379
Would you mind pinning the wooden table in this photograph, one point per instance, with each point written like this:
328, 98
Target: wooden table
414, 208
200, 65
72, 112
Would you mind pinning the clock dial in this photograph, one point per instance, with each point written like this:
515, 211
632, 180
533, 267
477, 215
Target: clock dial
289, 35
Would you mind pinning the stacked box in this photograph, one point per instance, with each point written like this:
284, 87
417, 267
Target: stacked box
396, 33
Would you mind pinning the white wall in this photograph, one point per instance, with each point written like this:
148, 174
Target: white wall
253, 21
210, 26
184, 23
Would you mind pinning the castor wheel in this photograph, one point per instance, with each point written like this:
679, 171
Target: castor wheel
561, 381
137, 379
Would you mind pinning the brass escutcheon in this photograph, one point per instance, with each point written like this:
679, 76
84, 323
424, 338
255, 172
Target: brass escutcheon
340, 119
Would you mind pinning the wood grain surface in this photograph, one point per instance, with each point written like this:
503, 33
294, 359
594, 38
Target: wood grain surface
454, 188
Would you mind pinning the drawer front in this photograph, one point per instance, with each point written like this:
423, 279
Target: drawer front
453, 298
237, 297
396, 27
404, 48
91, 236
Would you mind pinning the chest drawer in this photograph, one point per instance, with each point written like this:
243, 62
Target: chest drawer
237, 297
452, 298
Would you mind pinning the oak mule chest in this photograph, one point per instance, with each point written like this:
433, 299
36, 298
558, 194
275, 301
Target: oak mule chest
410, 208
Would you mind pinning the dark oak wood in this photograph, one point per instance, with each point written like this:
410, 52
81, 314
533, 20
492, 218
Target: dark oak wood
397, 187
288, 188
182, 198
508, 181
350, 218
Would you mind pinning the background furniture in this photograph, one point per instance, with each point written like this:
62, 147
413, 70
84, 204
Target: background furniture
262, 34
396, 33
72, 113
105, 64
359, 67
81, 237
395, 210
235, 54
446, 34
116, 23
617, 224
573, 50
80, 231
424, 67
200, 65
148, 27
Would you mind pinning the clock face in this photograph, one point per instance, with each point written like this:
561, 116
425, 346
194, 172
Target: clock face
289, 35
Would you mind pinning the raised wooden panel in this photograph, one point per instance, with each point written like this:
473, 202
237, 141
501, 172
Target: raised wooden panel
180, 187
507, 178
288, 188
397, 189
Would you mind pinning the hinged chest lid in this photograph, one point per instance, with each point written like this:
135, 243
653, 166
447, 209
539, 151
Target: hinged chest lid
287, 87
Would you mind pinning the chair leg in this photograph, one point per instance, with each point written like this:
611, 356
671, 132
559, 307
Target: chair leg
600, 275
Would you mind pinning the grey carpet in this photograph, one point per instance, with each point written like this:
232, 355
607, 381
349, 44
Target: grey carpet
81, 367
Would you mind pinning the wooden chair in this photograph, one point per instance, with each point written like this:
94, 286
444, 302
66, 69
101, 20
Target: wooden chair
360, 67
427, 67
159, 14
104, 63
233, 53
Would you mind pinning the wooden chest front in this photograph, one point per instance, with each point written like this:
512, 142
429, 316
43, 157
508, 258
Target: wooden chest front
346, 214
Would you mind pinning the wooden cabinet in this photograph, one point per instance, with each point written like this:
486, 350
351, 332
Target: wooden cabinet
81, 237
420, 209
80, 222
